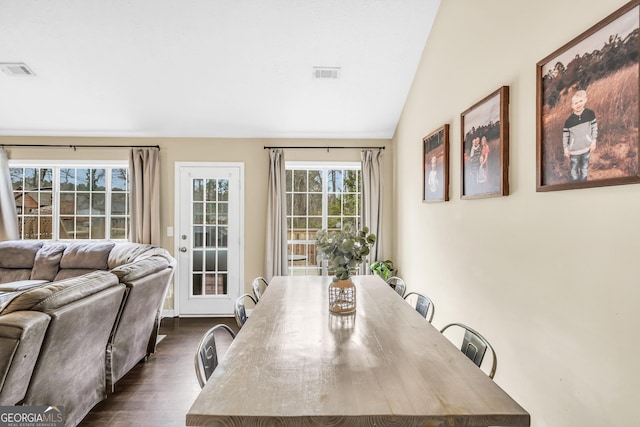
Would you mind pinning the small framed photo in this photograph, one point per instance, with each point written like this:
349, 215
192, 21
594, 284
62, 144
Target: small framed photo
485, 147
587, 107
435, 165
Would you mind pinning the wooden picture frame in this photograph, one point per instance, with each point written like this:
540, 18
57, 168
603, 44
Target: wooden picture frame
485, 147
587, 107
435, 165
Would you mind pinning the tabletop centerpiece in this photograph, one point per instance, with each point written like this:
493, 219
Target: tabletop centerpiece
345, 250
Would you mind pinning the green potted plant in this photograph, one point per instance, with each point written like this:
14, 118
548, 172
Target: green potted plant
345, 250
384, 269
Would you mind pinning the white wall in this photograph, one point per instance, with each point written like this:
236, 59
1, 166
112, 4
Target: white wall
551, 279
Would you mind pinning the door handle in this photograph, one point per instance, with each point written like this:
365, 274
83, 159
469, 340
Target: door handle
183, 249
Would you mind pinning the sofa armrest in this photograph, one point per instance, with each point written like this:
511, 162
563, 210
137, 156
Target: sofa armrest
21, 336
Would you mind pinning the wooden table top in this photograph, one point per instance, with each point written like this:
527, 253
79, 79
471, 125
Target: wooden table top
294, 363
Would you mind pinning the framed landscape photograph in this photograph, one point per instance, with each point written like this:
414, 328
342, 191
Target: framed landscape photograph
485, 147
587, 107
435, 165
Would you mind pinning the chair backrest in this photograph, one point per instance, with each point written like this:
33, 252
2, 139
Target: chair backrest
475, 346
259, 285
397, 284
206, 359
422, 304
240, 310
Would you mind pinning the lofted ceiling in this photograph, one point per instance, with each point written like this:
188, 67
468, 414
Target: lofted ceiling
209, 68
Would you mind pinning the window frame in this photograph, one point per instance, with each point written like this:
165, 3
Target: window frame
56, 165
325, 166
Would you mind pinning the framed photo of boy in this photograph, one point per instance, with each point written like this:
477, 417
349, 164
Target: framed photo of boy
485, 147
587, 107
435, 165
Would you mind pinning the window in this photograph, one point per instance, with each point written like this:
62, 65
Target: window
71, 201
319, 195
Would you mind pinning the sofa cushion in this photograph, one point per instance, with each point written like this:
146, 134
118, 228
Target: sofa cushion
8, 275
47, 262
18, 253
57, 294
90, 255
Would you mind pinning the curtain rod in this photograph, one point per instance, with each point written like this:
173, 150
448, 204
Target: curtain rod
306, 147
74, 146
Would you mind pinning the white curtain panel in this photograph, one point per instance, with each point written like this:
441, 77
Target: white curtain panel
144, 170
8, 216
372, 202
276, 240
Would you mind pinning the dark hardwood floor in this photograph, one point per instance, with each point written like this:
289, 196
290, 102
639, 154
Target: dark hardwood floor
159, 392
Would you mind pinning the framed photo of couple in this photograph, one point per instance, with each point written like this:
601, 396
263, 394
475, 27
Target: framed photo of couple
485, 147
587, 107
435, 165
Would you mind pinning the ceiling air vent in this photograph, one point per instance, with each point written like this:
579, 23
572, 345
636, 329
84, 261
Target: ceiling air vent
326, 72
16, 69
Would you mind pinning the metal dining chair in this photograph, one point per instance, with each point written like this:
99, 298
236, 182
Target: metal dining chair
240, 310
475, 346
259, 285
206, 359
397, 284
422, 304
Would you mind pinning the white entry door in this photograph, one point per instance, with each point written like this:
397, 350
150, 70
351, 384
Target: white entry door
209, 218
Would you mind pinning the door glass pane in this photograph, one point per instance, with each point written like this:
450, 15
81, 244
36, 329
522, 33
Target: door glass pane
223, 190
209, 240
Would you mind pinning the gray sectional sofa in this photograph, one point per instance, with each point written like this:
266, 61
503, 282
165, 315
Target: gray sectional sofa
75, 318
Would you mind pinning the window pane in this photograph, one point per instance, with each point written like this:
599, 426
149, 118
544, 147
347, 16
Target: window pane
299, 204
351, 181
211, 213
98, 204
334, 223
222, 213
46, 179
67, 203
31, 179
198, 213
67, 179
83, 177
315, 204
289, 175
334, 205
83, 203
198, 190
299, 180
119, 180
83, 225
119, 228
223, 190
97, 228
349, 204
315, 181
211, 190
119, 203
98, 180
46, 227
335, 181
197, 261
17, 175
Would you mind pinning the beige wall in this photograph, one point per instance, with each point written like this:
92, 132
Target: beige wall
249, 151
550, 278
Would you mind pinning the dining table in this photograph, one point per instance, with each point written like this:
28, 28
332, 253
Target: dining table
296, 363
